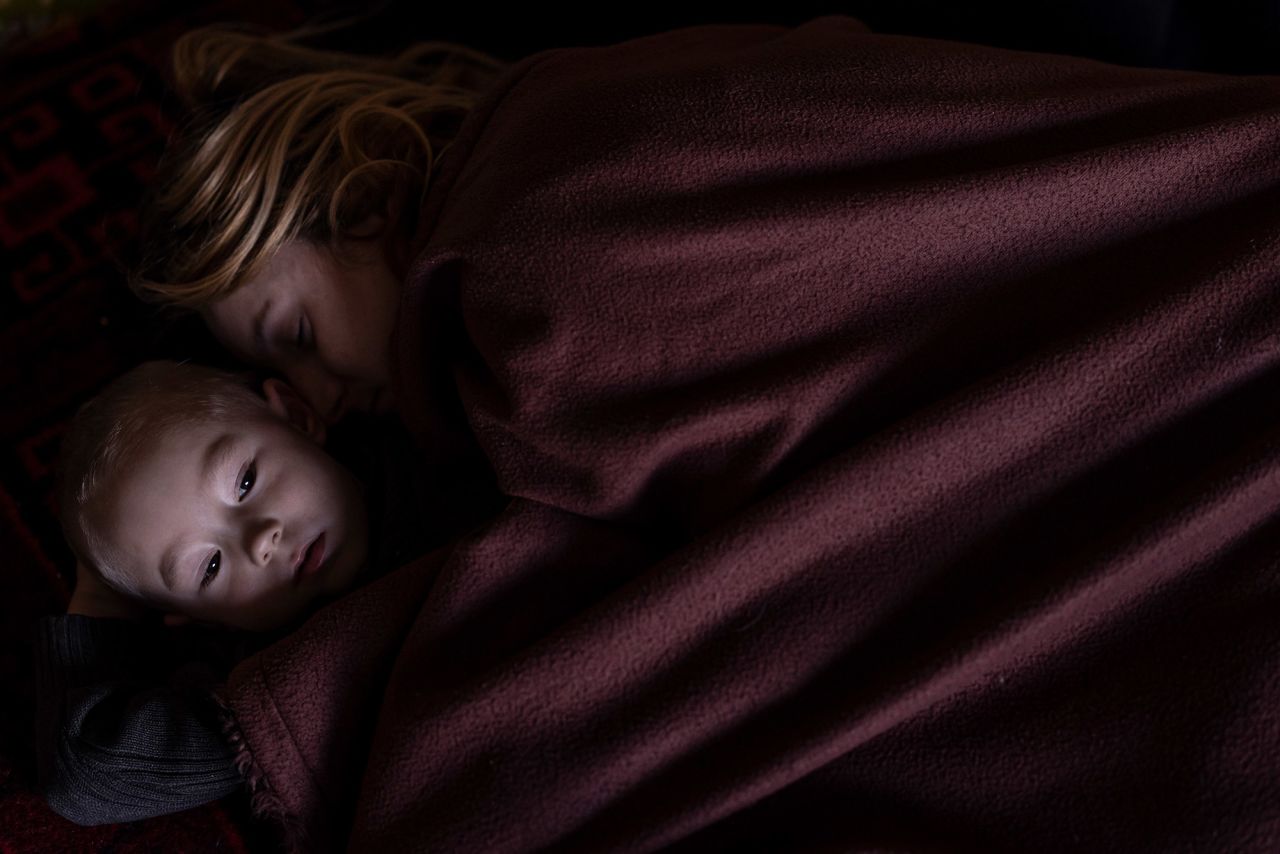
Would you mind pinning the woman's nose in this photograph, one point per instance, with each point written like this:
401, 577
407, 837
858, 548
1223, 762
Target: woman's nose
263, 541
320, 389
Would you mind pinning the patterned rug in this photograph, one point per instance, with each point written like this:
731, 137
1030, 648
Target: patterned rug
83, 118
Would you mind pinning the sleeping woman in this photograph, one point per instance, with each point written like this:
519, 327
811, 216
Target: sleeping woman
933, 380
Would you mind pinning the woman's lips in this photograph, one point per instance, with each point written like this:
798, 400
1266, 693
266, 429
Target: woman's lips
312, 558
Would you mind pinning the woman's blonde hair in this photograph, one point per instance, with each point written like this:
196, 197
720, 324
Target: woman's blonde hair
289, 142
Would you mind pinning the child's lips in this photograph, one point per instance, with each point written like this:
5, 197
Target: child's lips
310, 561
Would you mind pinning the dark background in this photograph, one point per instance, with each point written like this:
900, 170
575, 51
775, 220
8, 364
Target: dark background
1229, 37
83, 116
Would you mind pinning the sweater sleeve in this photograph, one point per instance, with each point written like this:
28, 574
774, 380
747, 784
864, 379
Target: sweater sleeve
118, 737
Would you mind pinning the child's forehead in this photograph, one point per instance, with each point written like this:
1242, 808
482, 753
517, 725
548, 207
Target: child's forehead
202, 445
156, 487
170, 448
184, 418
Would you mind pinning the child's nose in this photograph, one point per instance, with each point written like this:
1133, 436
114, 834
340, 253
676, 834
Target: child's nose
264, 541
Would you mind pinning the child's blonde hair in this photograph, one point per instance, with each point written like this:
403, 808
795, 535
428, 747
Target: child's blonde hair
288, 142
111, 430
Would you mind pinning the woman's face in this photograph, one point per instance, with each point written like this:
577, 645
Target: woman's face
322, 321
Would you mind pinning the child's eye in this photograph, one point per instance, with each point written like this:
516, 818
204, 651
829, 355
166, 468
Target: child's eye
247, 481
211, 569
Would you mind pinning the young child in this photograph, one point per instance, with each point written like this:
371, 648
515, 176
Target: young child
186, 494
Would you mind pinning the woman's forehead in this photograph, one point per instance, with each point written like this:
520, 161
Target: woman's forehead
240, 319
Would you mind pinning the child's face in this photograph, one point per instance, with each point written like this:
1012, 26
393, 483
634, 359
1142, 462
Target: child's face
234, 514
323, 323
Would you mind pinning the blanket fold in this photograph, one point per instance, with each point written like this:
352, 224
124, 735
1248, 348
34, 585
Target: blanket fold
893, 436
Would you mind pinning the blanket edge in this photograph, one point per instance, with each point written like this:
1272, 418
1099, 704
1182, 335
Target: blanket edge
264, 802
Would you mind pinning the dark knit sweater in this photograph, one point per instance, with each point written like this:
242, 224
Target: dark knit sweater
125, 725
123, 729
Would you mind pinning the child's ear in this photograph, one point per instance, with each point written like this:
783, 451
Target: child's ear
285, 401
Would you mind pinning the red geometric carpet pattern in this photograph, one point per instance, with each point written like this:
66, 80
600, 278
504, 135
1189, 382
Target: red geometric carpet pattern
83, 119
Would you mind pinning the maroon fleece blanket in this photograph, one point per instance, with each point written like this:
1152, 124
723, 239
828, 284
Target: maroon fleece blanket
893, 435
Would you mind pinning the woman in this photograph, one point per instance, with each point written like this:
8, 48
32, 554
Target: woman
333, 144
